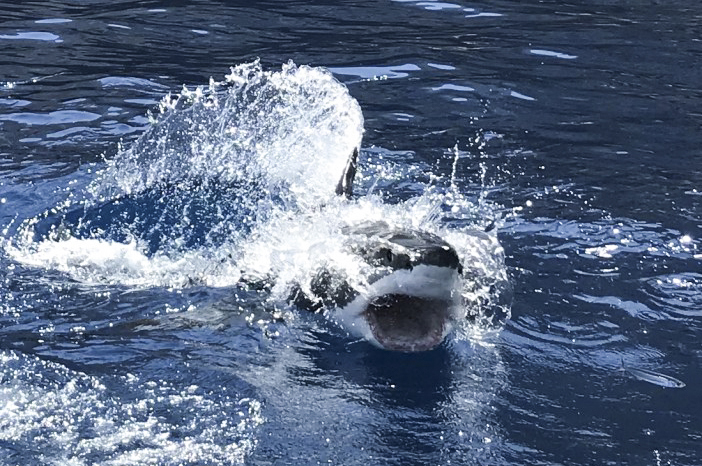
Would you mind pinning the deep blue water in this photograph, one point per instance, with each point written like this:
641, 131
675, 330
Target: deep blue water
574, 128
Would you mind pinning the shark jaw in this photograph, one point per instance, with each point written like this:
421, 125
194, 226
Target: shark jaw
400, 322
407, 310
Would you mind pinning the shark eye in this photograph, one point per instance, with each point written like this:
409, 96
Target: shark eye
388, 255
385, 257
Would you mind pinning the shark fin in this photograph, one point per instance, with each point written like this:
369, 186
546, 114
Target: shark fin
345, 185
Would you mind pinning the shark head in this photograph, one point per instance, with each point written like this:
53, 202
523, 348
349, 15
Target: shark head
412, 294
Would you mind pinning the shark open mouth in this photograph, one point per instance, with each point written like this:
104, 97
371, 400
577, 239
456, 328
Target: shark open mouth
407, 323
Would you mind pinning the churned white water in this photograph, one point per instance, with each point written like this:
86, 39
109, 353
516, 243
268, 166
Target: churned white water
77, 419
236, 181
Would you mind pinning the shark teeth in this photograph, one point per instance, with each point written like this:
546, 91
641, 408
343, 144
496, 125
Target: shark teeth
407, 310
401, 322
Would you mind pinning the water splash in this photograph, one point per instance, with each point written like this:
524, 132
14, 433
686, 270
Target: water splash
216, 163
237, 179
67, 417
276, 130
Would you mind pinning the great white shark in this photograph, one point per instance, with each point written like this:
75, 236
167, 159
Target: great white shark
409, 302
413, 296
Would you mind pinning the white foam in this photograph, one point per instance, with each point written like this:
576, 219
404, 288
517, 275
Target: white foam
67, 417
273, 145
294, 128
105, 262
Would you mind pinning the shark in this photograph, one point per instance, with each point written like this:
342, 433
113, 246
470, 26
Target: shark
412, 297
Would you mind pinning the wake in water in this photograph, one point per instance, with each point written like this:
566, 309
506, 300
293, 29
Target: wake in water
235, 183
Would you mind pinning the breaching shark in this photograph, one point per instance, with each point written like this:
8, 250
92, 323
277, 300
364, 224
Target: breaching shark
409, 303
413, 296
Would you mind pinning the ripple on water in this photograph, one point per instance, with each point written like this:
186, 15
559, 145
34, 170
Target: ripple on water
32, 35
52, 415
678, 294
57, 117
633, 308
555, 334
631, 236
606, 238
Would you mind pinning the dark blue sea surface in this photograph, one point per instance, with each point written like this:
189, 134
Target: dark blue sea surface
571, 132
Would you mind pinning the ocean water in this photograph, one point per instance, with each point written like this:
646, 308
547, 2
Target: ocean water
159, 158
